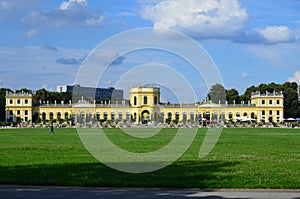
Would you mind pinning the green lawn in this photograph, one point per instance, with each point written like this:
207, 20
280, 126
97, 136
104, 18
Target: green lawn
242, 158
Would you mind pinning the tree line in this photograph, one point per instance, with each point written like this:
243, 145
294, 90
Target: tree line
290, 92
216, 94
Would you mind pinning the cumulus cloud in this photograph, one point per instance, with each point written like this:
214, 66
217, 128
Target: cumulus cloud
212, 18
221, 19
271, 35
72, 12
296, 77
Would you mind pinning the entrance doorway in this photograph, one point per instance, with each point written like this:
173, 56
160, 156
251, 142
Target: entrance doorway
145, 117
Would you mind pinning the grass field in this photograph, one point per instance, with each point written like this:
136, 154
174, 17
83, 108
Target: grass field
242, 158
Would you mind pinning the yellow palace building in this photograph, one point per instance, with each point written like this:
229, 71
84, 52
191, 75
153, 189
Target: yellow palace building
144, 106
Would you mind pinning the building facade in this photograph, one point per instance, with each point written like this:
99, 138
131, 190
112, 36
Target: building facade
90, 92
144, 106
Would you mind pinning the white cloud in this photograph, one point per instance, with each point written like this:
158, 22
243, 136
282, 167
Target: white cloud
11, 8
277, 34
95, 21
32, 67
244, 75
32, 32
296, 77
198, 17
72, 12
73, 4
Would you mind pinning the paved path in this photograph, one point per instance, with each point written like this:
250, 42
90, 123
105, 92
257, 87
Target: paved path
47, 192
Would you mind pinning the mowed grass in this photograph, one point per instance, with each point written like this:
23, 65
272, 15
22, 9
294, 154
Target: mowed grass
242, 158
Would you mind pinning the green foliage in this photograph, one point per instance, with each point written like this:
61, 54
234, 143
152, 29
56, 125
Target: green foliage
217, 93
232, 95
289, 89
44, 96
2, 102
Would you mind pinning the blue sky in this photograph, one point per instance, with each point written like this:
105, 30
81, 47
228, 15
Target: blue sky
43, 42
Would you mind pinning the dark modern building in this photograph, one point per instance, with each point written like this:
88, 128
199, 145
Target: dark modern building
92, 93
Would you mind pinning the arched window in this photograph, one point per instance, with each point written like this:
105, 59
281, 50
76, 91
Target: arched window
58, 115
177, 116
66, 115
145, 100
170, 116
184, 117
43, 116
51, 116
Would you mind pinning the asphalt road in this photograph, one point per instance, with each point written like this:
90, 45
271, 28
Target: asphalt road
45, 192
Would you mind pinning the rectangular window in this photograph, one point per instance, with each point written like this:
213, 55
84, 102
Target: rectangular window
26, 112
11, 101
270, 101
270, 112
18, 112
113, 117
18, 101
278, 112
263, 101
263, 112
26, 101
277, 102
11, 112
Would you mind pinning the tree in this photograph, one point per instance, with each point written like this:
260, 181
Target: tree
2, 102
291, 103
232, 94
247, 94
217, 93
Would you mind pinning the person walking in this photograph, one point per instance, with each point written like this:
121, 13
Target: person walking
51, 129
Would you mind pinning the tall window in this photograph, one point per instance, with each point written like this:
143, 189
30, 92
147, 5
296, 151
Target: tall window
66, 115
270, 101
18, 101
11, 101
170, 116
134, 100
43, 116
51, 116
155, 100
263, 101
145, 100
58, 115
277, 102
26, 101
263, 112
26, 112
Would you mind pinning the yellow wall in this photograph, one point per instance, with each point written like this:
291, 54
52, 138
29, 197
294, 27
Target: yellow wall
272, 108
